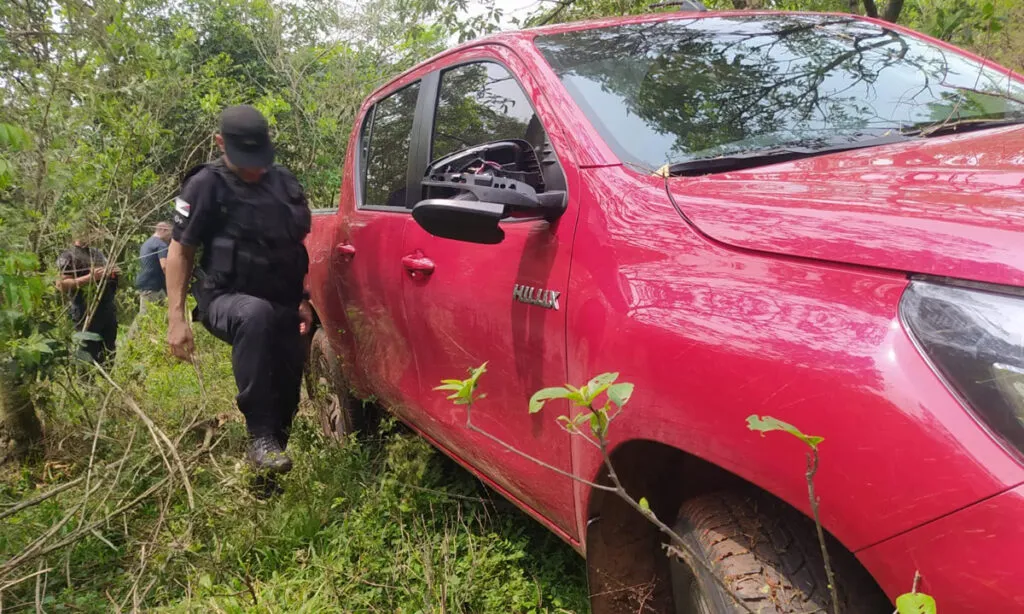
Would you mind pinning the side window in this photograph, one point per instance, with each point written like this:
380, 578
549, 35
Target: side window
363, 154
479, 103
385, 148
484, 123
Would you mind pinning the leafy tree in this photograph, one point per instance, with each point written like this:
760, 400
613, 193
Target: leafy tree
120, 98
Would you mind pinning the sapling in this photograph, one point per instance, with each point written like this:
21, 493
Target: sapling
768, 424
597, 417
908, 603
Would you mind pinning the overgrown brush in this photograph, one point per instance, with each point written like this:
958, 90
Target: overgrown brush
386, 524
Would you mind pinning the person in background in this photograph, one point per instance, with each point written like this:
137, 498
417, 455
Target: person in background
90, 282
151, 282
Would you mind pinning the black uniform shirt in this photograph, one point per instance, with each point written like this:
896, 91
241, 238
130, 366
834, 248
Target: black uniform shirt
79, 261
197, 209
198, 217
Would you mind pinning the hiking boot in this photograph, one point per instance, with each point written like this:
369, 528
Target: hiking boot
266, 454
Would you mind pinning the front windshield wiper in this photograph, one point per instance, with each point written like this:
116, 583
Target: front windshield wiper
964, 124
775, 155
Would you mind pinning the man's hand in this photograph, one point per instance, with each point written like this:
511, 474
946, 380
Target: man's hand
179, 337
305, 317
99, 273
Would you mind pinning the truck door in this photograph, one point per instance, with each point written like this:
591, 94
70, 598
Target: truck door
365, 266
502, 304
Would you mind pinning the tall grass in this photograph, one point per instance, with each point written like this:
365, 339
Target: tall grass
385, 524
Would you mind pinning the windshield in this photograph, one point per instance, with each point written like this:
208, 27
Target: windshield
689, 89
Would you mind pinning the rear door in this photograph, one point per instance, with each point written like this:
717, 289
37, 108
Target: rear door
465, 302
366, 258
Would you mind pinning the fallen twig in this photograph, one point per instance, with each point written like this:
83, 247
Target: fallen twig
31, 552
78, 533
12, 583
53, 492
157, 434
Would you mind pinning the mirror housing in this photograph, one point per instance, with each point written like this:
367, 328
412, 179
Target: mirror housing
477, 221
461, 220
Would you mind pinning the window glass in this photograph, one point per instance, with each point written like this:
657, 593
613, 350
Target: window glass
479, 103
386, 148
363, 155
689, 89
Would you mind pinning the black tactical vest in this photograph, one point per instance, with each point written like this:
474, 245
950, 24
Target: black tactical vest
258, 246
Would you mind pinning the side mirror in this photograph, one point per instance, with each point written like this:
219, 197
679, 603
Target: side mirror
478, 221
462, 220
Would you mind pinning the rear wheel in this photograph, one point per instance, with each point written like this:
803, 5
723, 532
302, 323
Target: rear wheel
768, 555
337, 410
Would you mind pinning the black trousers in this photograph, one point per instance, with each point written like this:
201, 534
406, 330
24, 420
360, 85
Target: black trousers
267, 355
104, 324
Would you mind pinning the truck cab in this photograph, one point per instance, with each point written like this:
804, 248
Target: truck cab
805, 216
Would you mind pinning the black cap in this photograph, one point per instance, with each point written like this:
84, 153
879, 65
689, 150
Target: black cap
246, 137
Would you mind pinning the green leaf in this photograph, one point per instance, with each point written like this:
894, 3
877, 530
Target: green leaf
644, 505
477, 372
767, 424
597, 385
577, 399
916, 603
604, 379
547, 394
463, 390
581, 418
83, 336
620, 393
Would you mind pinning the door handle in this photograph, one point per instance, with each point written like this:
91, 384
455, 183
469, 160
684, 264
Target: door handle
418, 263
344, 249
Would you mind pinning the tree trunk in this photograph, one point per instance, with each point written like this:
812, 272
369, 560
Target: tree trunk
21, 432
893, 10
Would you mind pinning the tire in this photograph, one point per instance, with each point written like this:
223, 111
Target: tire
338, 411
769, 557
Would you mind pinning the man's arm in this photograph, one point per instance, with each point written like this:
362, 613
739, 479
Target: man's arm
69, 283
180, 259
179, 269
161, 256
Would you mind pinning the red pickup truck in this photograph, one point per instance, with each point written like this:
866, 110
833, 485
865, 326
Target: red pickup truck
810, 216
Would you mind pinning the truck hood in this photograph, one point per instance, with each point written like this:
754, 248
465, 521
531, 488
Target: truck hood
948, 206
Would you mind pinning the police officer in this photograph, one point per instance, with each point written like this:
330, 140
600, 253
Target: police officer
250, 217
81, 267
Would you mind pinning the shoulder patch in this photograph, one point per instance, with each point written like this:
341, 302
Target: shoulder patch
181, 207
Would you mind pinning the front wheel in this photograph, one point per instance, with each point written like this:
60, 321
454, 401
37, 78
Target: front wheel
769, 558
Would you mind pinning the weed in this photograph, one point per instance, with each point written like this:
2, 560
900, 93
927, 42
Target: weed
383, 525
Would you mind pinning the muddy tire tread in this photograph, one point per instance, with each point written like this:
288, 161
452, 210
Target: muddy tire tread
769, 557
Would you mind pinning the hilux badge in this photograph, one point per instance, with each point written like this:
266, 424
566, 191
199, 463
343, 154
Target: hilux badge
536, 296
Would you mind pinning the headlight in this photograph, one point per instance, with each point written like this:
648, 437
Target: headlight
975, 340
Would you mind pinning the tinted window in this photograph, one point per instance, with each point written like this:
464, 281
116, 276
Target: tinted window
688, 89
386, 148
364, 151
479, 103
